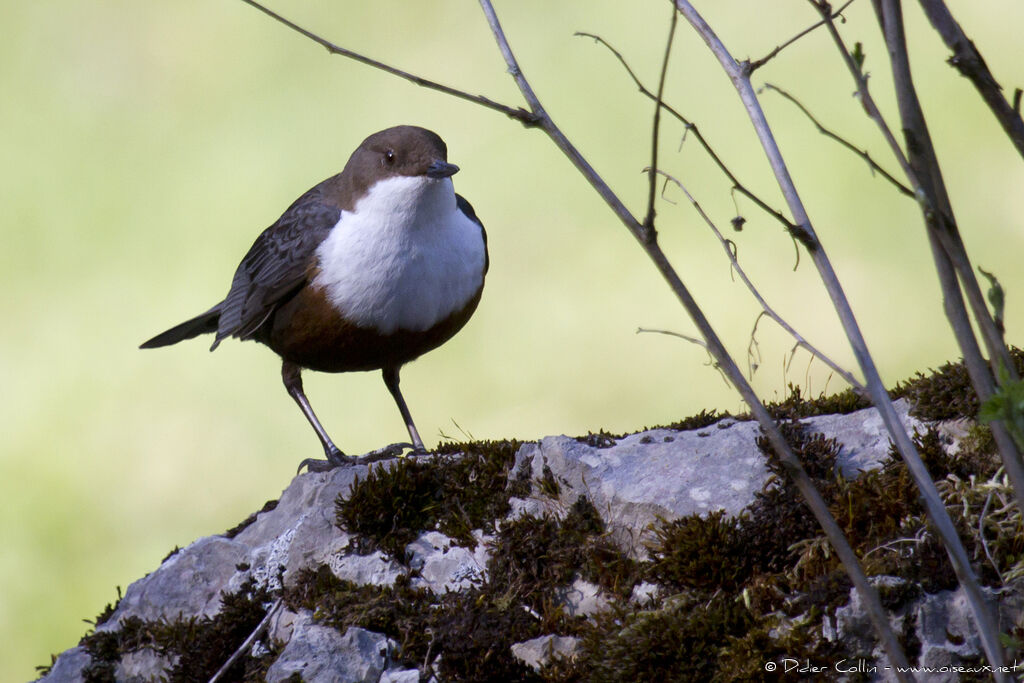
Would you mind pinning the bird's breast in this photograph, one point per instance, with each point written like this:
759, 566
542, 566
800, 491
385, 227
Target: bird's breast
403, 271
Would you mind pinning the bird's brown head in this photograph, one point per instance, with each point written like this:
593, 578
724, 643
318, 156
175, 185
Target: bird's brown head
398, 151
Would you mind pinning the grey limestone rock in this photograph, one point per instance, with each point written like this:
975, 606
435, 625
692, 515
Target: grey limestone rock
632, 483
864, 439
69, 667
658, 473
666, 474
537, 652
400, 676
444, 566
322, 655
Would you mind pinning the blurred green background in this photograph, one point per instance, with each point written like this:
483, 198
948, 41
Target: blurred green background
145, 145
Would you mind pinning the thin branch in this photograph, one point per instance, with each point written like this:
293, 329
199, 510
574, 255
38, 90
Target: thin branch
754, 349
692, 127
740, 78
981, 535
517, 113
789, 461
758, 63
942, 228
968, 61
953, 303
731, 253
863, 154
693, 340
939, 243
936, 208
656, 126
864, 95
248, 641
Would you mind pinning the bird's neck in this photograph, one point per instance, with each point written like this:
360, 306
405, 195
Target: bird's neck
405, 202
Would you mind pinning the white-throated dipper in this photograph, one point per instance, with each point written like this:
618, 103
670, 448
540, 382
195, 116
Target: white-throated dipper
368, 270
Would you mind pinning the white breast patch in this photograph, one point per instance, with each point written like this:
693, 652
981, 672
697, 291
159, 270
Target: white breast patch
404, 259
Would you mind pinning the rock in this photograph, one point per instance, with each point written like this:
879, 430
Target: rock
322, 655
632, 483
537, 652
853, 625
69, 667
941, 622
189, 583
665, 474
657, 473
142, 666
401, 676
862, 434
644, 593
945, 627
373, 570
582, 599
444, 566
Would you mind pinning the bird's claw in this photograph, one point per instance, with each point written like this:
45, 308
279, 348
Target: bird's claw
335, 458
395, 450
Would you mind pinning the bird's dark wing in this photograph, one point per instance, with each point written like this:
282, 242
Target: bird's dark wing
275, 267
467, 208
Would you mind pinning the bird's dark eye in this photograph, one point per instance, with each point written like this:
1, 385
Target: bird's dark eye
389, 157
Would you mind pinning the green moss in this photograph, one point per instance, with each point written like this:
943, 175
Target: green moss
978, 454
473, 630
680, 641
478, 634
548, 485
700, 552
777, 637
704, 418
393, 505
946, 393
795, 406
197, 646
399, 611
779, 518
536, 556
601, 439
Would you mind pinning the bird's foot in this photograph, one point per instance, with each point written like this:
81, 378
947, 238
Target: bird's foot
395, 450
335, 458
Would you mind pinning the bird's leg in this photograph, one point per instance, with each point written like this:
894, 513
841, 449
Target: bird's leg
391, 380
292, 376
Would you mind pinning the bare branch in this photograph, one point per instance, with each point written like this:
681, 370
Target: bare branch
969, 62
863, 154
936, 510
656, 126
731, 253
864, 95
790, 462
517, 113
758, 63
692, 127
948, 247
940, 243
248, 641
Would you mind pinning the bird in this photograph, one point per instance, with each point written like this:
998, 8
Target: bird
368, 270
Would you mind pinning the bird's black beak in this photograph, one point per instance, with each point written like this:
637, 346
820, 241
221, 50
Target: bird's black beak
441, 169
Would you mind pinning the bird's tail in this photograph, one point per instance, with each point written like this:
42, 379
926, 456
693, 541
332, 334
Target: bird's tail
204, 323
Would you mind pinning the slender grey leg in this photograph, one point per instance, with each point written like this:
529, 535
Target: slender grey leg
391, 380
292, 376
